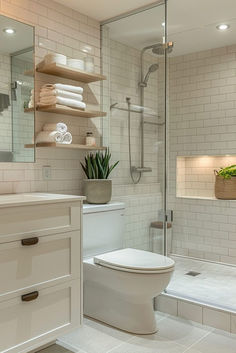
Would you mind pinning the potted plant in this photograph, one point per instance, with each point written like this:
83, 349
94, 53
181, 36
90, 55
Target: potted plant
225, 184
98, 188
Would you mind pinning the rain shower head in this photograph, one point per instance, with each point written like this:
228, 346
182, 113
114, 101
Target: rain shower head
159, 49
152, 68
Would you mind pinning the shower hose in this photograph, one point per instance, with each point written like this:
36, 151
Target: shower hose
135, 181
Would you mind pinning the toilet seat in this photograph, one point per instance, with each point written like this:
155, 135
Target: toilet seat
133, 260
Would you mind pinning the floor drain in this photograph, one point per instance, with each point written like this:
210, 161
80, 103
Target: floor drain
192, 273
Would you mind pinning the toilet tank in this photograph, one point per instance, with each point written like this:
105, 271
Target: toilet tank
103, 228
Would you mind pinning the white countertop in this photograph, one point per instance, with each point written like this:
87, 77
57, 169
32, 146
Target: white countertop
10, 200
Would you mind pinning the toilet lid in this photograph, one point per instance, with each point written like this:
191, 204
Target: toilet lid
133, 260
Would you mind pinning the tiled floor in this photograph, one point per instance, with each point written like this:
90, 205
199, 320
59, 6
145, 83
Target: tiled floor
216, 284
175, 335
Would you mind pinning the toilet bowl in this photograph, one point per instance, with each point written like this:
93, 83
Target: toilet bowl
119, 285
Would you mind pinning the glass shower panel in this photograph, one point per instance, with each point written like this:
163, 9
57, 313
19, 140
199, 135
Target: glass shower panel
134, 97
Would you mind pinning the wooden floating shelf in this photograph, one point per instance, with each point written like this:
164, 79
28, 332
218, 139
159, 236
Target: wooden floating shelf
62, 109
29, 110
69, 72
71, 146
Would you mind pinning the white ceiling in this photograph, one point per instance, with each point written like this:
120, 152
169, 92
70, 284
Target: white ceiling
103, 9
191, 25
23, 38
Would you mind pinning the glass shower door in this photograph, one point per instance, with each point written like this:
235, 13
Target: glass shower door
134, 97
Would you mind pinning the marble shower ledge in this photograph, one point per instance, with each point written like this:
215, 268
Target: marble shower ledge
211, 198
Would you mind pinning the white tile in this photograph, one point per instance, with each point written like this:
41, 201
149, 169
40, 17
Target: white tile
181, 331
166, 304
148, 344
216, 342
233, 323
217, 319
190, 311
94, 337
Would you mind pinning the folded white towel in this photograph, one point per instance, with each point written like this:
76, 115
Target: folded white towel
63, 101
46, 136
67, 138
63, 87
61, 127
59, 92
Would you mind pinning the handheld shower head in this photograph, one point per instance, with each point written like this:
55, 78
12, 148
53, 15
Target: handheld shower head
151, 69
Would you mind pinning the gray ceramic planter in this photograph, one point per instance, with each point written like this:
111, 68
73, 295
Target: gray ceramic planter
98, 190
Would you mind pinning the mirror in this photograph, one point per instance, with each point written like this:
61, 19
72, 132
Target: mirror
16, 91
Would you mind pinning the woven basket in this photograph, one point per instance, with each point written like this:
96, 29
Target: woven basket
225, 189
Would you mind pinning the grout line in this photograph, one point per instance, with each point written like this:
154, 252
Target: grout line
199, 340
119, 345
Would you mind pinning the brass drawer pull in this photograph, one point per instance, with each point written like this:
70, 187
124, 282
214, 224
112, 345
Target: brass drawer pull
30, 241
30, 296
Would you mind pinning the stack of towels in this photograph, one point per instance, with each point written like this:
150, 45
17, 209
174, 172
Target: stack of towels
61, 94
54, 133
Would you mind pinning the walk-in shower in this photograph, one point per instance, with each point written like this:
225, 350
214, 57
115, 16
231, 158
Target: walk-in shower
171, 123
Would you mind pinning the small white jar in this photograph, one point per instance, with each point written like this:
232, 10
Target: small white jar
90, 139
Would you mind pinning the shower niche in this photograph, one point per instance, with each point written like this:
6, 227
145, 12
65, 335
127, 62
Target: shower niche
16, 90
196, 175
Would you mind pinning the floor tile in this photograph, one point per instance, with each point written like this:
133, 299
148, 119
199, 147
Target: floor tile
55, 348
215, 342
206, 287
180, 331
145, 345
94, 337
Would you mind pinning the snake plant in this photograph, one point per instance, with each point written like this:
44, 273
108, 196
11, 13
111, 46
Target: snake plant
97, 166
227, 172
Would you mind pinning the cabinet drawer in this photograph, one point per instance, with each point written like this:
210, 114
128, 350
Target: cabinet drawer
53, 258
23, 323
39, 219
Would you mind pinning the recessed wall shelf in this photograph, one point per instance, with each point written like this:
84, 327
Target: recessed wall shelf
69, 72
62, 109
67, 146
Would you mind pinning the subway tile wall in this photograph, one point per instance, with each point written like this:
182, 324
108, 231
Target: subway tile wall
57, 29
202, 122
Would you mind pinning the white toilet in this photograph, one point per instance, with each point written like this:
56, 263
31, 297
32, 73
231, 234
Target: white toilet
119, 284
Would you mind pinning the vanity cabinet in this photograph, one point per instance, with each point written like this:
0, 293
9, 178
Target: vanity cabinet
40, 270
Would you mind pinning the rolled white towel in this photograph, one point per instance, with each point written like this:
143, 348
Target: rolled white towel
63, 87
63, 101
61, 127
67, 138
59, 92
46, 136
31, 104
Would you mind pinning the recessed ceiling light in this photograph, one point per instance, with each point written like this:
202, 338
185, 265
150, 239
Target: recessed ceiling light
163, 24
9, 30
222, 27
